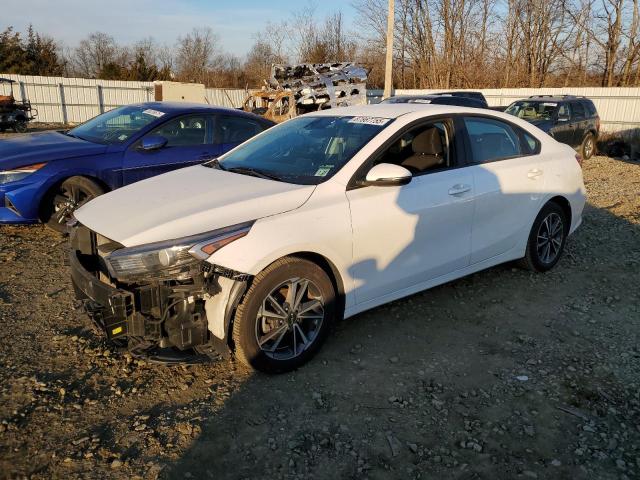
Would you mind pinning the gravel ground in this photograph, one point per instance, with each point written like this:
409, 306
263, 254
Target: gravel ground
503, 374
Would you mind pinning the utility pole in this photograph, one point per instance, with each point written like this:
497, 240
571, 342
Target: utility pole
388, 69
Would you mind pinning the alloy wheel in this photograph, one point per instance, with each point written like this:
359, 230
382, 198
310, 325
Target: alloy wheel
68, 199
549, 238
289, 319
588, 147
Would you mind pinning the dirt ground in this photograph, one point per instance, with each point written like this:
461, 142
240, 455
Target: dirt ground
504, 374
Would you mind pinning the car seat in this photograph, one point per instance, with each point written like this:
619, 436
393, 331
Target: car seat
427, 151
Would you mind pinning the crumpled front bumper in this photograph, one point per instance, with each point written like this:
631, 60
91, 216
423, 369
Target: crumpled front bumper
112, 309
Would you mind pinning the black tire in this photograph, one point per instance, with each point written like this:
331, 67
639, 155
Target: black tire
20, 126
59, 204
248, 326
588, 146
535, 258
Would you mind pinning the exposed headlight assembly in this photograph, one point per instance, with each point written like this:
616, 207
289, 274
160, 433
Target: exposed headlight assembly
19, 173
171, 259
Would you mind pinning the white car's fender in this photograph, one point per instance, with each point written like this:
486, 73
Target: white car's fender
316, 227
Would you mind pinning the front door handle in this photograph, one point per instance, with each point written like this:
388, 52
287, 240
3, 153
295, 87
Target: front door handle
534, 173
459, 189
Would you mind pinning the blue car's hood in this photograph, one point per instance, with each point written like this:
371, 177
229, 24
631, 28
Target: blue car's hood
25, 150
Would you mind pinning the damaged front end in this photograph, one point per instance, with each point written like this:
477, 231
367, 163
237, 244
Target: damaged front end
161, 300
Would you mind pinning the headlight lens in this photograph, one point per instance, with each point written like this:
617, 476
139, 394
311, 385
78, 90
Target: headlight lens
16, 174
172, 259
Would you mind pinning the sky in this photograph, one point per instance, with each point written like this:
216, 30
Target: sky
235, 21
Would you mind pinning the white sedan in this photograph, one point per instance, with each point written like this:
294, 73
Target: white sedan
318, 219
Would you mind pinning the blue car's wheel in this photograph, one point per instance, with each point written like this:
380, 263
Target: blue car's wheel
71, 194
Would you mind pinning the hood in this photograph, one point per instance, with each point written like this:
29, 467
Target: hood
24, 150
187, 202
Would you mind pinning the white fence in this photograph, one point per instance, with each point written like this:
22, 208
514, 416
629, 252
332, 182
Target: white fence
618, 107
74, 100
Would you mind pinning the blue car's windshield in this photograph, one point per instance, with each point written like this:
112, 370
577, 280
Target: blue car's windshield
305, 150
116, 126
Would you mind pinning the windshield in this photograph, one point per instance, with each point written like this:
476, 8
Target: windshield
305, 150
533, 110
116, 126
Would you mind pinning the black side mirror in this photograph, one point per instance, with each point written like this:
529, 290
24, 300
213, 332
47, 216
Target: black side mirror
153, 142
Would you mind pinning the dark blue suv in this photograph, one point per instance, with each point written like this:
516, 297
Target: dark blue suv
46, 176
567, 118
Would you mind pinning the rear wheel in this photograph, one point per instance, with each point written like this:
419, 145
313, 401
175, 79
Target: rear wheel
546, 239
285, 316
71, 194
20, 126
588, 146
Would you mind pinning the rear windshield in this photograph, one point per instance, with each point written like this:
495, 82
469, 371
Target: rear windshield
528, 110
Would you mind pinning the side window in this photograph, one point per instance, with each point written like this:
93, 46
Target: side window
577, 110
563, 110
422, 149
236, 129
491, 139
184, 131
529, 144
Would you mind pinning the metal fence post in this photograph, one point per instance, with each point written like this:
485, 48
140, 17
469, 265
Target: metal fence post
23, 91
63, 105
100, 98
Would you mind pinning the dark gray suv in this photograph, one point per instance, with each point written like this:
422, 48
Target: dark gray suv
567, 118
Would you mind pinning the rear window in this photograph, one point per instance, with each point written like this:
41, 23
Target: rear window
577, 109
492, 139
590, 108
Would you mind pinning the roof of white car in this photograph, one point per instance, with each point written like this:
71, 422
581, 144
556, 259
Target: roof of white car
393, 110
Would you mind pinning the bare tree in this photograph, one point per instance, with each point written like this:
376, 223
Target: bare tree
196, 54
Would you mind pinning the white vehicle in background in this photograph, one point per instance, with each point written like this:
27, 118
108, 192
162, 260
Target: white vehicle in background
320, 218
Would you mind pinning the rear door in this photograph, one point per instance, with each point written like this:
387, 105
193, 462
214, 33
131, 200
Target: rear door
189, 141
508, 175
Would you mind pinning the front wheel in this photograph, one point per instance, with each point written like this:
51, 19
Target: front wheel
285, 316
71, 194
546, 239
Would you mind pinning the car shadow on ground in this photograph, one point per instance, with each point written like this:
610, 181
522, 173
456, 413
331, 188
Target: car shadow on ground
495, 375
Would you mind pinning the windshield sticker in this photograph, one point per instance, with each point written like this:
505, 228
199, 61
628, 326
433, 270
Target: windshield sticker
547, 104
370, 120
421, 100
323, 170
122, 137
155, 113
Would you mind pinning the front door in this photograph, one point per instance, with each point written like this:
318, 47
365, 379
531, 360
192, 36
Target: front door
407, 235
189, 141
563, 130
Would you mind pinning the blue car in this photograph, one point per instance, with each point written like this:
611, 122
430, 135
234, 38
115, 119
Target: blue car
46, 176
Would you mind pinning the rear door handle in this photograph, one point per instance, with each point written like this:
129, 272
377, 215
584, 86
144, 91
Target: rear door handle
459, 189
534, 173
